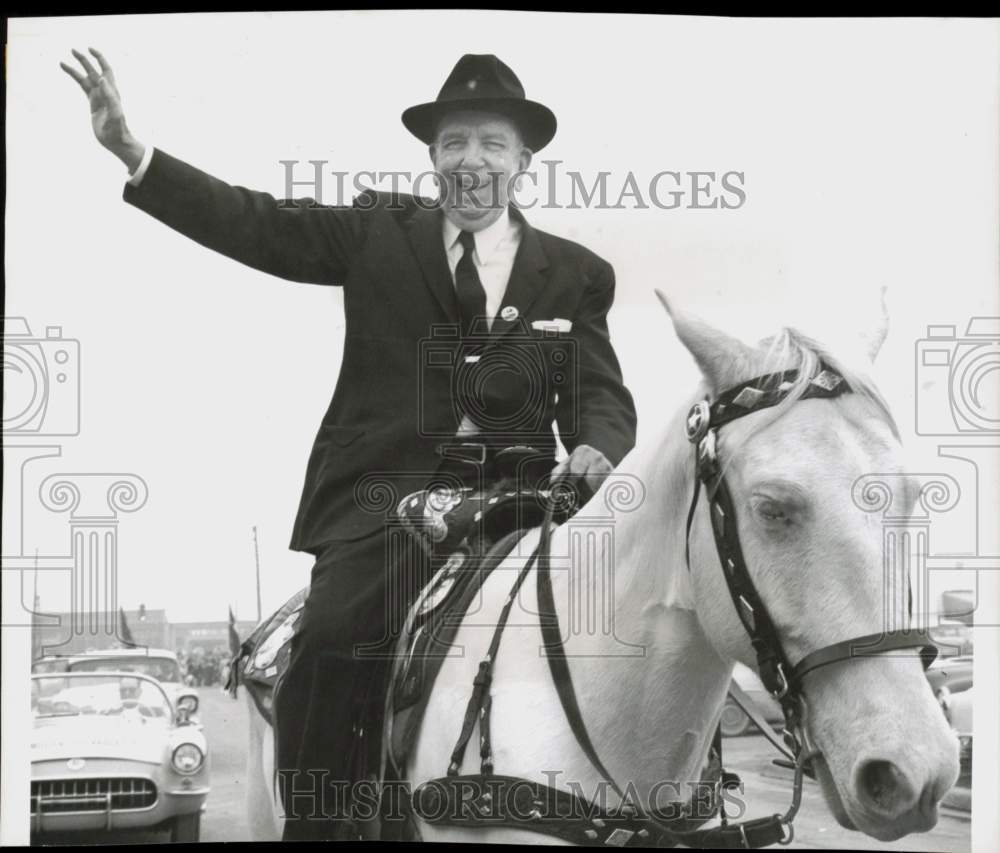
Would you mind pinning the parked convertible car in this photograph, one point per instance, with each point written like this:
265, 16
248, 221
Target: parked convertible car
954, 673
958, 711
951, 681
110, 751
156, 663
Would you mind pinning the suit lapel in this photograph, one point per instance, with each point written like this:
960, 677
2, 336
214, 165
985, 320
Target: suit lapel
526, 282
427, 240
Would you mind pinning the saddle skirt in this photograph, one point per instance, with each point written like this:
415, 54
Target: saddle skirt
468, 534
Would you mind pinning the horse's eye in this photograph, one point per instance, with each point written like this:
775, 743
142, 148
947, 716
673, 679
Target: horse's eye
771, 511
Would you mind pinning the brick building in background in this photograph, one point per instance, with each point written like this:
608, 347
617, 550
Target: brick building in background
55, 634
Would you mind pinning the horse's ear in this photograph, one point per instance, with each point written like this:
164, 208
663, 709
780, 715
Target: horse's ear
724, 361
877, 338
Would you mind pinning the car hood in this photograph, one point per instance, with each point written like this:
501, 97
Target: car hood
57, 738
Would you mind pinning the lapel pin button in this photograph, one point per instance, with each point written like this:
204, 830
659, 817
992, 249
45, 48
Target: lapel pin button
509, 313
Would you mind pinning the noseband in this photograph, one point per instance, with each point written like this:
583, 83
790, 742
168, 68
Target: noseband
782, 680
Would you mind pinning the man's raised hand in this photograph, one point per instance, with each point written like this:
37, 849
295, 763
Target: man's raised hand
106, 115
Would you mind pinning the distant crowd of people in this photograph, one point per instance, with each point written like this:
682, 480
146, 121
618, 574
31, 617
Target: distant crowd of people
204, 667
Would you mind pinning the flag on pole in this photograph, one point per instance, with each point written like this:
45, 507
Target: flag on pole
234, 636
124, 634
36, 631
233, 676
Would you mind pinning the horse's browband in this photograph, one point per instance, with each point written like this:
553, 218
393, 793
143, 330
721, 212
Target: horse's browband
762, 392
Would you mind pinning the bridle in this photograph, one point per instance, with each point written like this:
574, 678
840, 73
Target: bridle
782, 679
629, 825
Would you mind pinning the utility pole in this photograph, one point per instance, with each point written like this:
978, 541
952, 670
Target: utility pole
36, 604
256, 557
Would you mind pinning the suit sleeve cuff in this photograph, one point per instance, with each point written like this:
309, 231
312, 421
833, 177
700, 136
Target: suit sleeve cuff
614, 447
140, 171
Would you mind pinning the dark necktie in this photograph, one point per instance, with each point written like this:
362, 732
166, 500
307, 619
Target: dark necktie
468, 287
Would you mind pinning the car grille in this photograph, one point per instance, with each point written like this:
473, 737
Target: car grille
91, 795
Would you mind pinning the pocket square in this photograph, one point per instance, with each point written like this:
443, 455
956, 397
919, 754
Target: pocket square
556, 325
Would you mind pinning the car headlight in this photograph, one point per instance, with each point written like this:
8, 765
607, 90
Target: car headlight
187, 758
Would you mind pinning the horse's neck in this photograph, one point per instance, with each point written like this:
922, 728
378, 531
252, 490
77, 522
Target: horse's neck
650, 688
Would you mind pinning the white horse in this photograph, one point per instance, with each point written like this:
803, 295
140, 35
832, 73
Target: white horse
264, 809
651, 644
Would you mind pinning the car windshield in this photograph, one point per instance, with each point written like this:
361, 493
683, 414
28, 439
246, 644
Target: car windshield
162, 669
79, 694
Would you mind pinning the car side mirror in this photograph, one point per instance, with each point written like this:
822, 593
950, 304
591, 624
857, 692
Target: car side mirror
943, 697
187, 705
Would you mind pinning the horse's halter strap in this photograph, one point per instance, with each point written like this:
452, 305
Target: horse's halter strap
781, 679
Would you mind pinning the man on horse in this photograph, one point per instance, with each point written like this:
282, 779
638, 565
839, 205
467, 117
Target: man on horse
467, 331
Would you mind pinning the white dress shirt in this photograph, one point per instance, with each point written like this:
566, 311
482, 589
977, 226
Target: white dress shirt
136, 178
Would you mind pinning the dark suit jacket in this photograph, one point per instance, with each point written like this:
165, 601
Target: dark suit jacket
395, 398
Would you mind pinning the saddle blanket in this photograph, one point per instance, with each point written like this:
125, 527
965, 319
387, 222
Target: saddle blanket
263, 656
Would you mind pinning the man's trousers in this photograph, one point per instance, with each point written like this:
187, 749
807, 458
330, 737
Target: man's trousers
357, 601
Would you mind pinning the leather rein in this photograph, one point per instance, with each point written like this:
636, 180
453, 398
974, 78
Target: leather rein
628, 824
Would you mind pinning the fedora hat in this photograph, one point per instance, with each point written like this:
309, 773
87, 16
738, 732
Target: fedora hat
483, 82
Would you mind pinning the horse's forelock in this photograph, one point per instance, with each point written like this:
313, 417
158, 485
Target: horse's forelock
792, 349
810, 353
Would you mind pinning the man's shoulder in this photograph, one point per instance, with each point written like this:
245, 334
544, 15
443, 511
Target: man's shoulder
560, 249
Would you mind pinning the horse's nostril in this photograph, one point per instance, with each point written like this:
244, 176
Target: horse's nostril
885, 788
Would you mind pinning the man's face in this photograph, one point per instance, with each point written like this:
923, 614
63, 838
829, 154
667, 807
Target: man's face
477, 154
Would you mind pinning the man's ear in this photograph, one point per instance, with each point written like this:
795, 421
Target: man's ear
525, 159
432, 151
